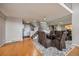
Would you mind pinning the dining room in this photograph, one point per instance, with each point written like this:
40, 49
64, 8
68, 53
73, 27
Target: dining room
48, 25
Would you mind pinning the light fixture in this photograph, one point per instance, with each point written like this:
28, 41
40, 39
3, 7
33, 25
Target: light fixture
45, 18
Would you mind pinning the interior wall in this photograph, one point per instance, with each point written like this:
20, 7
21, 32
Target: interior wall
27, 30
75, 23
2, 29
13, 30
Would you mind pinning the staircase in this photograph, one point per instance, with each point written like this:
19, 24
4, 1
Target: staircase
33, 34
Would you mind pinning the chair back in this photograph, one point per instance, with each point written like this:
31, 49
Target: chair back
42, 37
62, 42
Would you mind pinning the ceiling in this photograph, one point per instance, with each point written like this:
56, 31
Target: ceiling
34, 11
69, 5
64, 20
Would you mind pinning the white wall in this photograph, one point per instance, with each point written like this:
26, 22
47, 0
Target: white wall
75, 24
13, 30
27, 30
2, 30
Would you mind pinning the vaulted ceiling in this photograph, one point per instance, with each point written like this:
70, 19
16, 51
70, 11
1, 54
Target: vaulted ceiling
34, 11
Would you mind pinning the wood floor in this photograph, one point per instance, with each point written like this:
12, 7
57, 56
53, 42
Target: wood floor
24, 48
73, 52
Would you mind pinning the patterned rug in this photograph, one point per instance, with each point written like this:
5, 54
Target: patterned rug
52, 51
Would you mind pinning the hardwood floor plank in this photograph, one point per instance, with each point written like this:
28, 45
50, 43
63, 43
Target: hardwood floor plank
24, 48
73, 52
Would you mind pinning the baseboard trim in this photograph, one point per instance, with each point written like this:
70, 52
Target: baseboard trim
76, 45
12, 41
1, 45
9, 42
